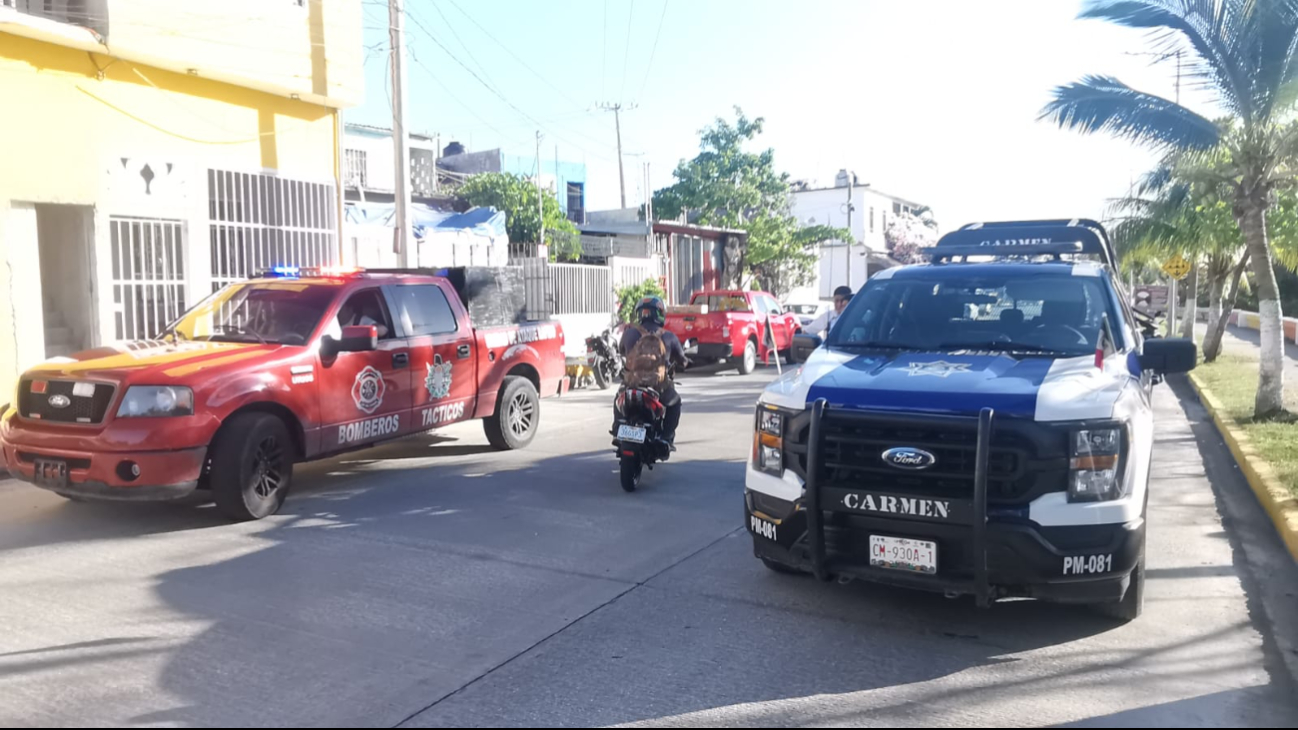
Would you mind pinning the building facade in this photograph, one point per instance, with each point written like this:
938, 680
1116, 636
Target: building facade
872, 209
156, 151
566, 179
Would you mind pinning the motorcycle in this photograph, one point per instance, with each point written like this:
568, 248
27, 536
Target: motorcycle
602, 358
639, 414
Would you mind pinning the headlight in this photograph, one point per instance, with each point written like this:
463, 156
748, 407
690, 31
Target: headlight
1096, 474
768, 441
156, 400
771, 422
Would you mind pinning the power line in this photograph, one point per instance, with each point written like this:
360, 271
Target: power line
457, 100
418, 23
626, 53
516, 57
460, 40
654, 51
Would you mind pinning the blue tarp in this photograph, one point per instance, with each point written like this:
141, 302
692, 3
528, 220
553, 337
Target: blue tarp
487, 222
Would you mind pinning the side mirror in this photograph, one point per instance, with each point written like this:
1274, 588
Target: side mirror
803, 346
1169, 356
355, 338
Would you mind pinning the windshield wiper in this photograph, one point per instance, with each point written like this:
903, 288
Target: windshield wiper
995, 346
236, 330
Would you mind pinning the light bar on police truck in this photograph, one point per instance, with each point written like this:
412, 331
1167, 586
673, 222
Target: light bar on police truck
1026, 238
314, 272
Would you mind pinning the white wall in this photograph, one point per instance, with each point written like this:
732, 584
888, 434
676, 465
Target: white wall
832, 269
577, 327
24, 291
379, 167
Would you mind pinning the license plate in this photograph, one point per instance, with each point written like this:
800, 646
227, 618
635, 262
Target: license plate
51, 473
764, 528
631, 433
900, 553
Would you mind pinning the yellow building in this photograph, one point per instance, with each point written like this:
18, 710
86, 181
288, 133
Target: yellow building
153, 150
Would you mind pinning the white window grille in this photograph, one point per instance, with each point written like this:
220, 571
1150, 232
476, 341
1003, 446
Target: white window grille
148, 275
261, 221
357, 168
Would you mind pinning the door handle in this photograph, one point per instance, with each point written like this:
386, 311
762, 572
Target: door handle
400, 359
463, 351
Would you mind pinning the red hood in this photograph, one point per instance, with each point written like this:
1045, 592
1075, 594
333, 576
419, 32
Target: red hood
154, 362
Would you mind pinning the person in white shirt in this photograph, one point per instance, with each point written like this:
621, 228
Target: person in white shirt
822, 324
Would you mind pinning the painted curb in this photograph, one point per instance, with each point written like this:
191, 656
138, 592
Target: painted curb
1279, 503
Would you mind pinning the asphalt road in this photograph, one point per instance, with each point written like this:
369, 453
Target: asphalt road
434, 582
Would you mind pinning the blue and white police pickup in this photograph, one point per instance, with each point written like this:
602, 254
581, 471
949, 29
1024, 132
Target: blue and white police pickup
980, 425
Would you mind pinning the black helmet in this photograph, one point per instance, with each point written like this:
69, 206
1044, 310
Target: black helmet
651, 309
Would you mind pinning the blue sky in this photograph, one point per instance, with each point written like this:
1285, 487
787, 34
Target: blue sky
928, 99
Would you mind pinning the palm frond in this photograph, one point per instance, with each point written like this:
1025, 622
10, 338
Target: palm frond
1211, 27
1105, 104
1271, 57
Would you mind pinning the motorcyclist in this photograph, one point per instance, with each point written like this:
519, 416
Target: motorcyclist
652, 315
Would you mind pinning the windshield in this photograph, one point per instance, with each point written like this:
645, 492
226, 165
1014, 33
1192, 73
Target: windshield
276, 313
1008, 313
804, 308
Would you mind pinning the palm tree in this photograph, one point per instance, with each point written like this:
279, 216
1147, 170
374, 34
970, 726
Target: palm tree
1247, 52
1185, 218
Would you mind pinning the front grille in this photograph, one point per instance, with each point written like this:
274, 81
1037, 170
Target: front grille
1027, 459
84, 409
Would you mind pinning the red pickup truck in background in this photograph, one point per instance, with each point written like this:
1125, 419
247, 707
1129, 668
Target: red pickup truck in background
281, 369
731, 324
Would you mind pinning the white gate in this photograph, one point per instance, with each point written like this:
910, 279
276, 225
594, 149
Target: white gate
148, 281
582, 289
261, 221
633, 271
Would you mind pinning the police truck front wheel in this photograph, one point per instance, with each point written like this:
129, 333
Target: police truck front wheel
517, 416
252, 465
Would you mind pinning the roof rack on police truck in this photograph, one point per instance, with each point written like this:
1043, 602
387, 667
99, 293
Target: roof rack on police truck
1055, 238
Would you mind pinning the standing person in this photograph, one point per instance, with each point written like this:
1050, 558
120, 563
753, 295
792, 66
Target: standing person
822, 324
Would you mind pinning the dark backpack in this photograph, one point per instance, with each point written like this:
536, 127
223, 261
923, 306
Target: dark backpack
646, 364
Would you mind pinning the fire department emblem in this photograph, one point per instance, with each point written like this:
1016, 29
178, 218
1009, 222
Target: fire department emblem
368, 389
438, 381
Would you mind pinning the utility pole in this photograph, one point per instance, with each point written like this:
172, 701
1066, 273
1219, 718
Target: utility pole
540, 199
847, 208
400, 144
648, 201
617, 124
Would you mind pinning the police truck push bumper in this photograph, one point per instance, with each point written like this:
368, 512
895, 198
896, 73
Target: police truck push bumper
828, 533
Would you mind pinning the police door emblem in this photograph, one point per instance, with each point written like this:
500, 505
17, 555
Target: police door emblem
438, 381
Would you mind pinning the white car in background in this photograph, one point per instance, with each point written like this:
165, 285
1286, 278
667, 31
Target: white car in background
807, 311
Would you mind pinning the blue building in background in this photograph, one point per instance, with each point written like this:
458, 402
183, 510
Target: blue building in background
566, 179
